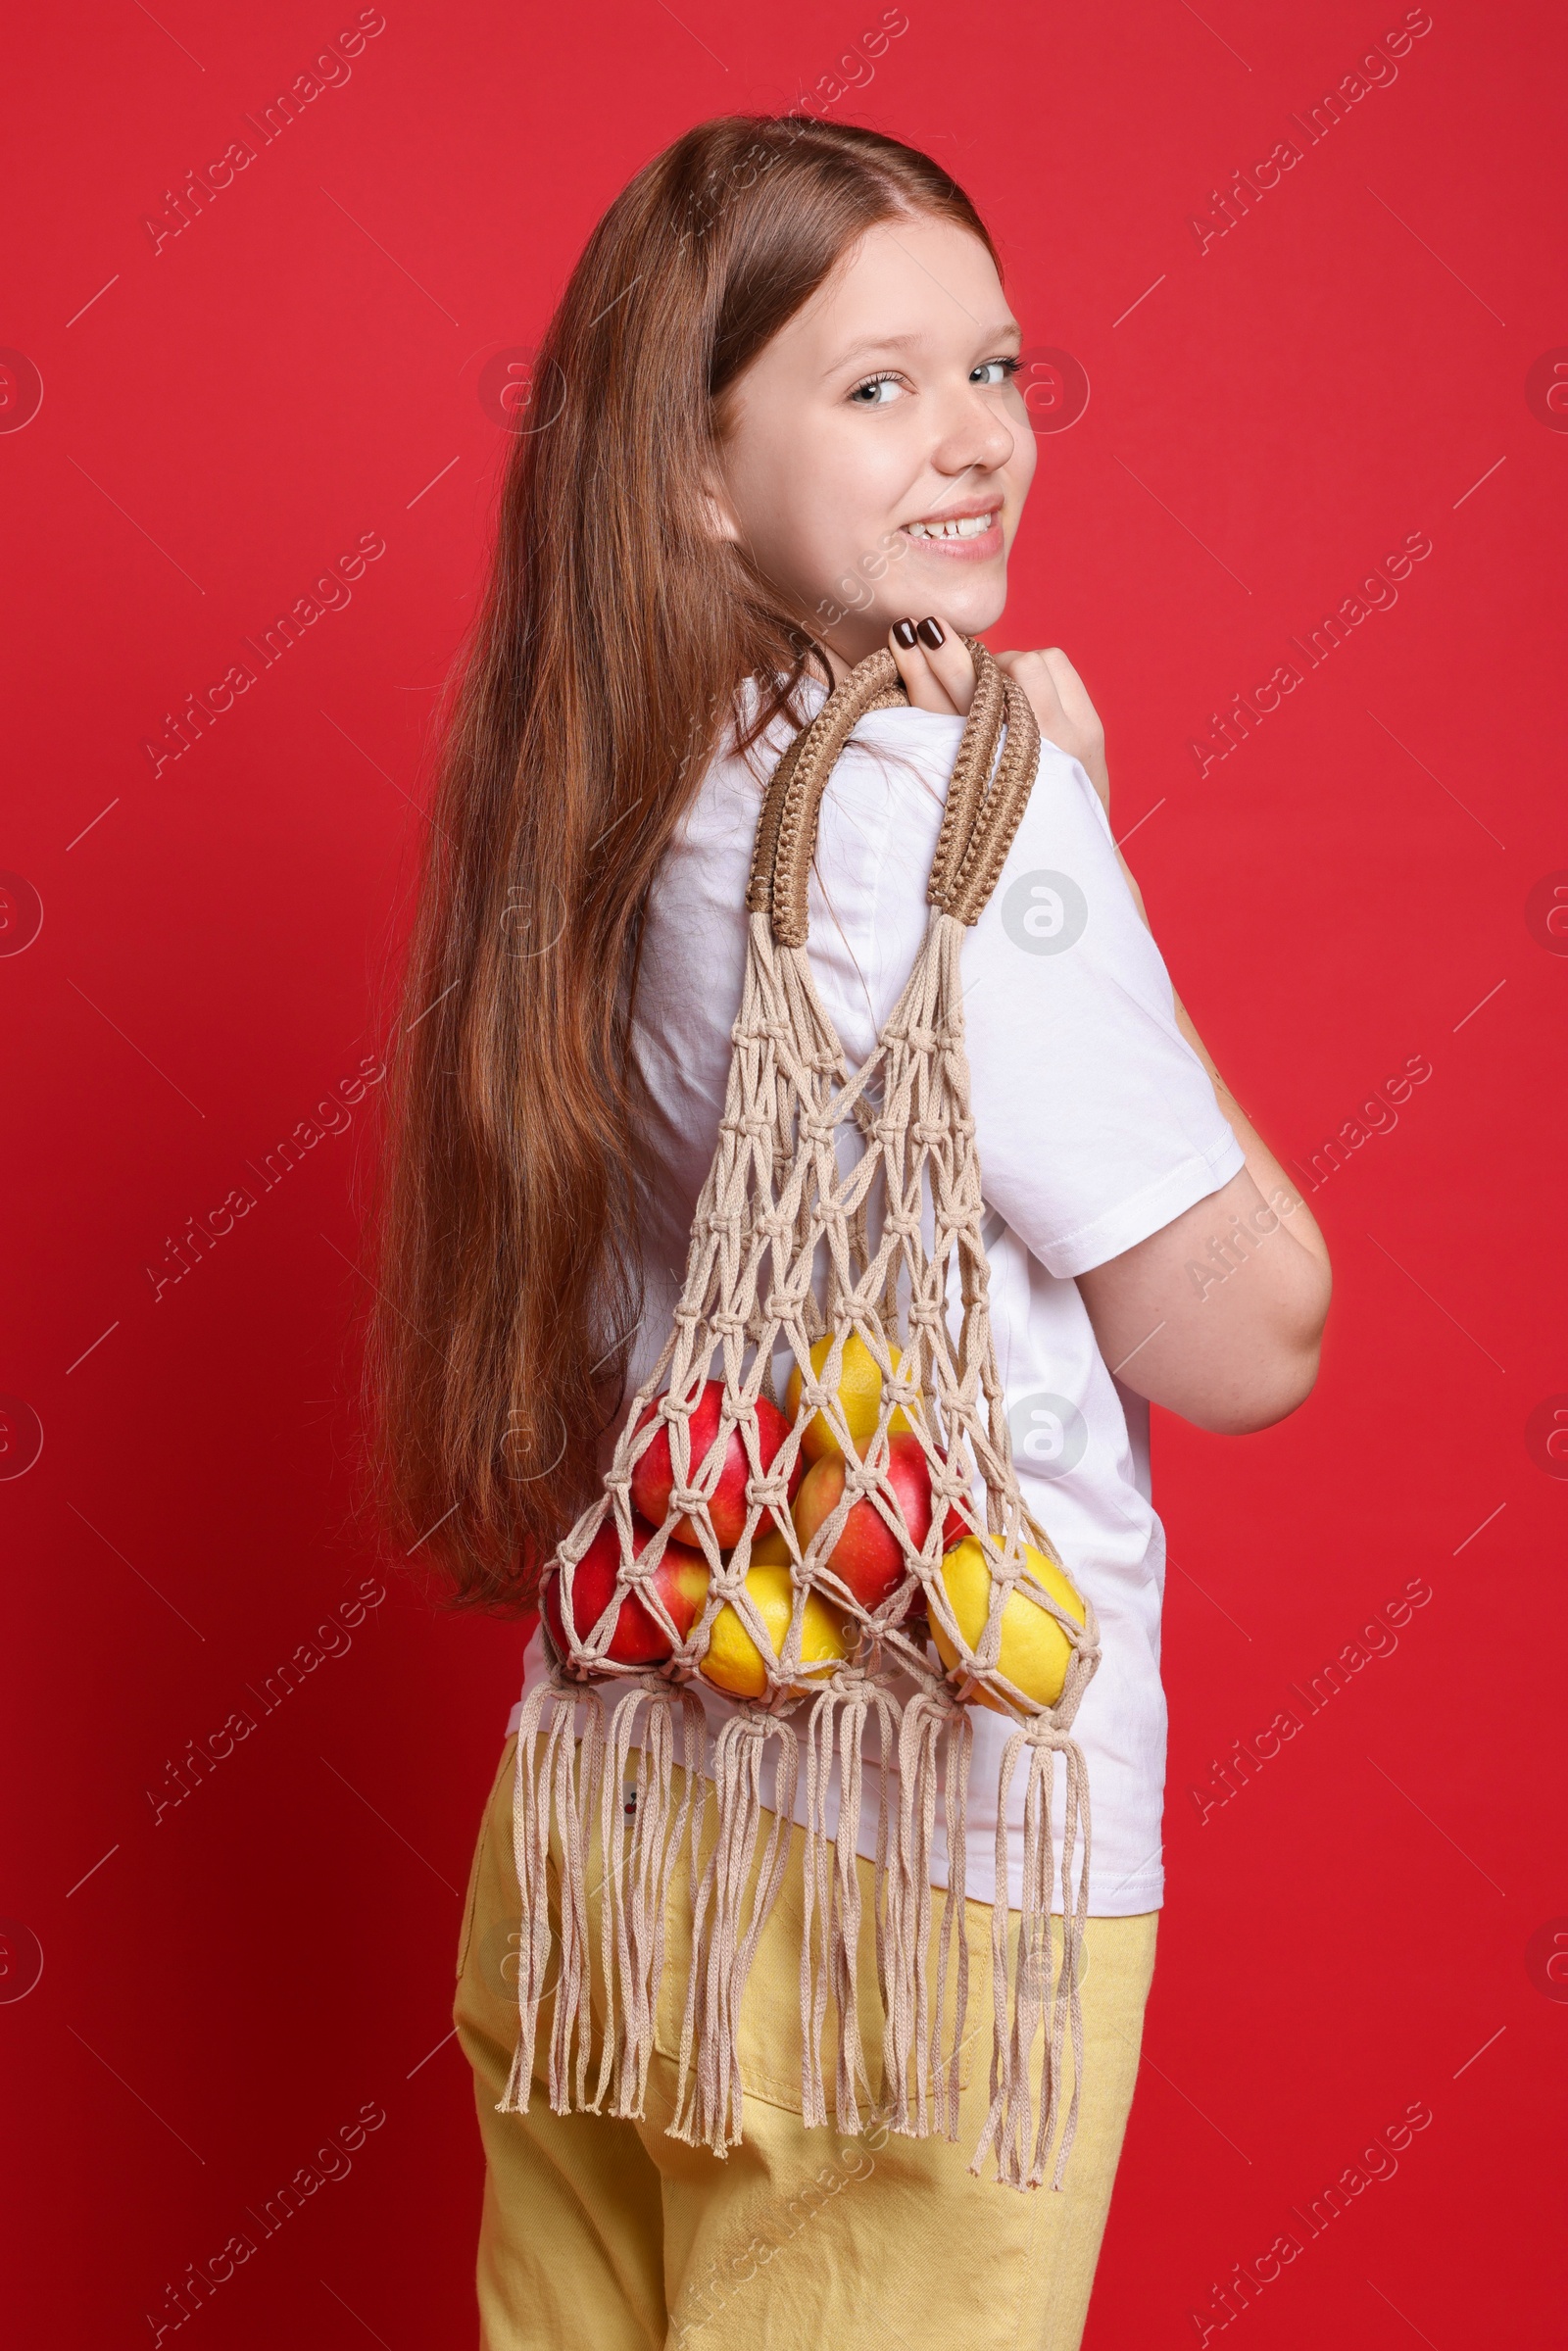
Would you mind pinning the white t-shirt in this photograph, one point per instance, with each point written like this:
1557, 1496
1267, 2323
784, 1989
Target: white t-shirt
1096, 1124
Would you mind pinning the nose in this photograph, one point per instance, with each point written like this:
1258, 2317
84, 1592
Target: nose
974, 434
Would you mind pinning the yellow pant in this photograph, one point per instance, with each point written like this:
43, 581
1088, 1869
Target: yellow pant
611, 2235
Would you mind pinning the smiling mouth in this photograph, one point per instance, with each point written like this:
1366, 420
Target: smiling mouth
956, 526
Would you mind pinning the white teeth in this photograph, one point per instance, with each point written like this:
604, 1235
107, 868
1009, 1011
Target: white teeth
966, 526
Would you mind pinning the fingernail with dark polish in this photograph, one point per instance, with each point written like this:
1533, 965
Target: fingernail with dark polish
905, 633
932, 633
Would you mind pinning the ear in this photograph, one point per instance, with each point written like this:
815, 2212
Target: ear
717, 511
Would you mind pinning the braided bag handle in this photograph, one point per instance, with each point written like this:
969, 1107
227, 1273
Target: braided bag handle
791, 1251
969, 855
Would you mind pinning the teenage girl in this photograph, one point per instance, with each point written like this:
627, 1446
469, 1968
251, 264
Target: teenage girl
773, 426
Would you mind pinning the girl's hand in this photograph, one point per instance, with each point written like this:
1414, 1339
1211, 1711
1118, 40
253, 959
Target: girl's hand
935, 665
1061, 702
939, 675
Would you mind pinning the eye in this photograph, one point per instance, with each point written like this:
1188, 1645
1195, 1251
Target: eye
994, 372
876, 391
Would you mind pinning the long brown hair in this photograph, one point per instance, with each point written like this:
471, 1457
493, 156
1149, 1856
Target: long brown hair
607, 658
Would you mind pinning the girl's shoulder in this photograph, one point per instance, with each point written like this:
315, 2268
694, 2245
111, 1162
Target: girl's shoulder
894, 756
899, 738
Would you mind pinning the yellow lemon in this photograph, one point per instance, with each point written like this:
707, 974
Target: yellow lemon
859, 1393
1035, 1649
733, 1661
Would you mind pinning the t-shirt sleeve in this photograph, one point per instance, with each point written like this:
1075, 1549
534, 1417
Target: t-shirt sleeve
1096, 1123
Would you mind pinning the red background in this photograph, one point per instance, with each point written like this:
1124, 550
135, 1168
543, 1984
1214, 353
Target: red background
225, 1985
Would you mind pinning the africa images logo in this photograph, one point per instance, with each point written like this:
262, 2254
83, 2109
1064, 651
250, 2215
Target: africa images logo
20, 390
515, 394
1054, 387
1045, 913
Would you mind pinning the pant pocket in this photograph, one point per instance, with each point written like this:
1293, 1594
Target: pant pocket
769, 2041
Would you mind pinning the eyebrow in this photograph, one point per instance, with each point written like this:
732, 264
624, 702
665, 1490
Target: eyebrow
853, 351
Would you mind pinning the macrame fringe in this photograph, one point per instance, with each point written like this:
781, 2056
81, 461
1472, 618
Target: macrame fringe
556, 1779
725, 1927
1020, 1991
561, 1784
638, 1868
830, 1937
915, 2044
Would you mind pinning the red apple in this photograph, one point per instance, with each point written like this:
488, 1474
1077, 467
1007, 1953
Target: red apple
652, 1478
867, 1557
680, 1580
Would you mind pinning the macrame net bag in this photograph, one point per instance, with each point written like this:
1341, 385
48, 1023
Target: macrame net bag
840, 1221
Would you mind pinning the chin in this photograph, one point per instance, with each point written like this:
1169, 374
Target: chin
981, 608
969, 605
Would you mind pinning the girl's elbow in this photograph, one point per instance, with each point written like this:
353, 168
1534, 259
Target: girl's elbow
1286, 1373
1269, 1392
1292, 1384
